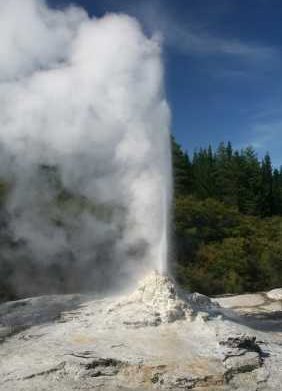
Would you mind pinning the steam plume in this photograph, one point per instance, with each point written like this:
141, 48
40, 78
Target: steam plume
84, 145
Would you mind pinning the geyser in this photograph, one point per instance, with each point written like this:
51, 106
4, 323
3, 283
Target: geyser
85, 148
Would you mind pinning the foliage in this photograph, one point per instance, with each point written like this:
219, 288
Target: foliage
227, 224
236, 178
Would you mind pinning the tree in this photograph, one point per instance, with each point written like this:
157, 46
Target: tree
182, 170
226, 175
249, 182
204, 169
227, 237
277, 192
266, 196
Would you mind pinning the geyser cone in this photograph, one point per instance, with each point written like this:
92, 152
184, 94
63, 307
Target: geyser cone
155, 301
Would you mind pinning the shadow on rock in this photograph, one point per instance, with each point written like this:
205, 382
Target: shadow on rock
19, 315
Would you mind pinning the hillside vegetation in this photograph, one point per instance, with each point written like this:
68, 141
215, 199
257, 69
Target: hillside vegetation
227, 220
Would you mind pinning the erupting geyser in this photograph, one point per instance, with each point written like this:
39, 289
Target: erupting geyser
84, 133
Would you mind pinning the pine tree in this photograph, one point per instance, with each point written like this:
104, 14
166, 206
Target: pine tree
204, 171
249, 182
266, 196
182, 170
277, 192
226, 175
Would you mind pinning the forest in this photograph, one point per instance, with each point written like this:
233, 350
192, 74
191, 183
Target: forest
227, 220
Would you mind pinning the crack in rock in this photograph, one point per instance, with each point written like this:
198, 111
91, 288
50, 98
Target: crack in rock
103, 367
243, 355
45, 372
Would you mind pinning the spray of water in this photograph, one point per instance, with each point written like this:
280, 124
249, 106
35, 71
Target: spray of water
85, 147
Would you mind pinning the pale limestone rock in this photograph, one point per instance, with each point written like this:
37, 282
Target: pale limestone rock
150, 340
246, 300
275, 294
245, 362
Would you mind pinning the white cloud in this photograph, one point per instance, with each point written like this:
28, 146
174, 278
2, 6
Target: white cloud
192, 40
196, 37
265, 135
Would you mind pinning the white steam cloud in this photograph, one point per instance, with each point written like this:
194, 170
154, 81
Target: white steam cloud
82, 109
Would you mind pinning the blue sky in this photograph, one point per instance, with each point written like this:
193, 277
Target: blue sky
223, 61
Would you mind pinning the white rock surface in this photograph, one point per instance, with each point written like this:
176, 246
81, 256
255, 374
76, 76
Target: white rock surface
247, 300
154, 339
275, 294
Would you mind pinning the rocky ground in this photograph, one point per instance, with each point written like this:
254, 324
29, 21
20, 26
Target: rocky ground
154, 339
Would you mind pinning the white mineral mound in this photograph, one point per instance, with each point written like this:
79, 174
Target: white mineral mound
157, 300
